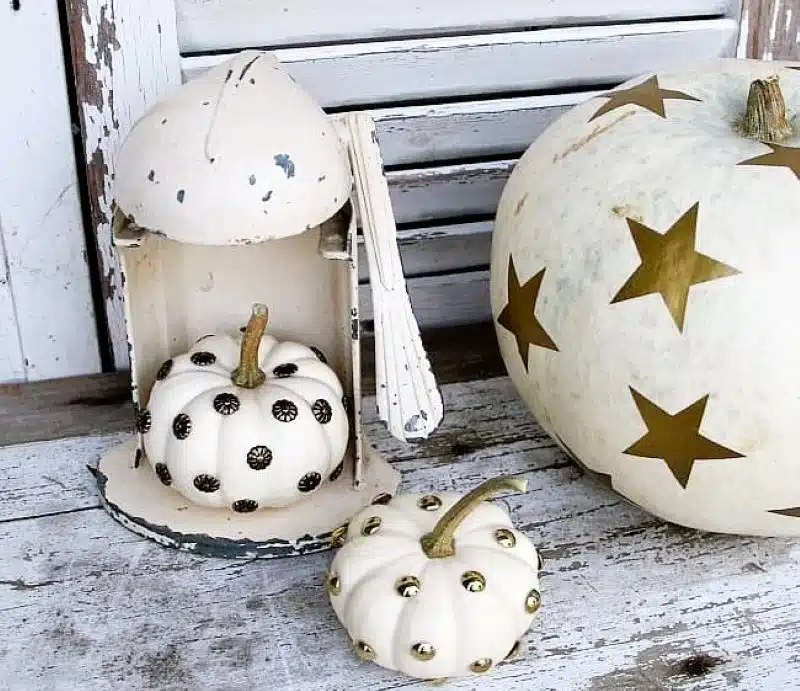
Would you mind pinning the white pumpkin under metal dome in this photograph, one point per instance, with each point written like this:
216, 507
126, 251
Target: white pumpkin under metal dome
643, 273
237, 195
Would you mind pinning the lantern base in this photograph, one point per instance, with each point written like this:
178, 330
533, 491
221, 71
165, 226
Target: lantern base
135, 497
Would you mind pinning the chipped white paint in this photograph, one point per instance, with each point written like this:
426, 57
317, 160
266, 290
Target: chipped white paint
205, 26
126, 59
378, 72
771, 30
46, 310
628, 602
408, 398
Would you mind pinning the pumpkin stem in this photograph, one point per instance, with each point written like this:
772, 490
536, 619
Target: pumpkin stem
765, 119
440, 542
248, 374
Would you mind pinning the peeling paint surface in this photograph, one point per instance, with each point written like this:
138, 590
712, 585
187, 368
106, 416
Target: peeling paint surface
126, 59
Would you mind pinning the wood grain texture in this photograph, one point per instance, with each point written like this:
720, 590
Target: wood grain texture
629, 602
78, 406
452, 299
413, 135
772, 29
426, 69
125, 58
207, 26
46, 310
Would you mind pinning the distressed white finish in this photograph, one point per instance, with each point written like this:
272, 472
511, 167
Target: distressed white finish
617, 207
126, 57
46, 310
443, 300
408, 398
411, 135
240, 154
626, 599
350, 74
206, 26
441, 249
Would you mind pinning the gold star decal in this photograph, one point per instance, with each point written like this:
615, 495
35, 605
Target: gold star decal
648, 95
779, 157
794, 511
518, 315
676, 439
670, 265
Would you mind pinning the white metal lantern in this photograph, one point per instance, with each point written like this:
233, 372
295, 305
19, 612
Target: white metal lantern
238, 196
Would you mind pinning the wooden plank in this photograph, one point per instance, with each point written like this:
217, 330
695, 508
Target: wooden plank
125, 58
45, 298
447, 192
454, 299
110, 610
772, 29
101, 404
11, 365
210, 26
425, 69
439, 249
443, 132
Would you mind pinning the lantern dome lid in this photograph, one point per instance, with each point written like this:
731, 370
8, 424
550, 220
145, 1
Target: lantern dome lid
237, 155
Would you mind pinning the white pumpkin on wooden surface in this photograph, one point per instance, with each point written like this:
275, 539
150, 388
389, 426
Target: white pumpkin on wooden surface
247, 422
644, 260
435, 586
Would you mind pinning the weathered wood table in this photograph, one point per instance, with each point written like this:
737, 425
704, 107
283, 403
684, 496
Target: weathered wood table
629, 602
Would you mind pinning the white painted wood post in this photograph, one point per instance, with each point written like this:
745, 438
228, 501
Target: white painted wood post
125, 57
47, 322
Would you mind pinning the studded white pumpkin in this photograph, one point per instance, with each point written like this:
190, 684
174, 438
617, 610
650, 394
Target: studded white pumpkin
435, 586
644, 260
245, 422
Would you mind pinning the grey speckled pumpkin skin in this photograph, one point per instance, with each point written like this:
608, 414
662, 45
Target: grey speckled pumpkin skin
567, 208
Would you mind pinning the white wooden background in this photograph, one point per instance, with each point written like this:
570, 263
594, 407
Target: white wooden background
459, 89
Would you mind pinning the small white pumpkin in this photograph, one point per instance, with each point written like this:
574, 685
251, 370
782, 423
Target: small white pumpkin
419, 598
225, 434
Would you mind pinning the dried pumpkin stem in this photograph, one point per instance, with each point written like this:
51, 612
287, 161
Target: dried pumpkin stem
440, 542
248, 374
765, 119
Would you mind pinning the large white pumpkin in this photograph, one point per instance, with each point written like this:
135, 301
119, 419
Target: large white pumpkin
266, 440
644, 272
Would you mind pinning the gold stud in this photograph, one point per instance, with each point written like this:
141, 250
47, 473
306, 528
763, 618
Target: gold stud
505, 538
407, 586
514, 652
533, 601
382, 499
429, 503
333, 584
365, 652
481, 665
339, 536
473, 581
371, 525
423, 651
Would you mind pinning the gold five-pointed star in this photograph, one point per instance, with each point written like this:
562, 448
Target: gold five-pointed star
670, 265
793, 511
779, 157
648, 95
676, 439
518, 315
